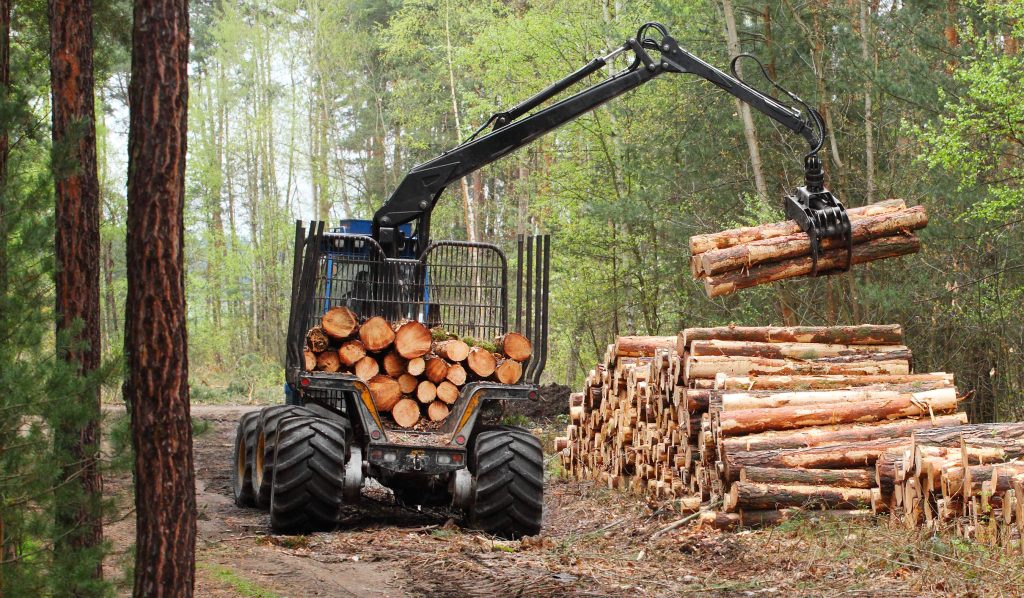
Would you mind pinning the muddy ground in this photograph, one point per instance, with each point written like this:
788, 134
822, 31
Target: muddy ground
595, 542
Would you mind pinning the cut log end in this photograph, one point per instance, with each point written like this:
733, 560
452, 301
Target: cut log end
416, 366
515, 346
309, 360
366, 368
412, 340
454, 350
437, 411
456, 374
436, 369
481, 362
406, 413
426, 391
328, 361
351, 352
339, 322
394, 364
509, 371
385, 391
376, 334
316, 339
447, 392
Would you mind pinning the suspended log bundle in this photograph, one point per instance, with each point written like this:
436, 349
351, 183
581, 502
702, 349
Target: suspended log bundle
745, 257
702, 415
413, 373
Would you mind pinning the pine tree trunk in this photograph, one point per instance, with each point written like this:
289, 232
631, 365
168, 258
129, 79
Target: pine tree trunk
77, 243
156, 383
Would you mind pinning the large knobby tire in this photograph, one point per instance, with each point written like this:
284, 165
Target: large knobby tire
263, 448
309, 475
508, 498
241, 460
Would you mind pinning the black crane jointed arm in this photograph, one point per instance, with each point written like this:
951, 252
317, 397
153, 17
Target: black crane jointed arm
416, 195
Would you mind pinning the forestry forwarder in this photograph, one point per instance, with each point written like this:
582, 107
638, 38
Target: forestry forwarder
307, 459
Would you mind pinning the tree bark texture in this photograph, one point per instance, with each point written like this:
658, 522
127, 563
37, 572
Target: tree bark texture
737, 236
736, 423
156, 383
77, 246
766, 383
757, 497
870, 251
793, 246
825, 435
865, 334
840, 478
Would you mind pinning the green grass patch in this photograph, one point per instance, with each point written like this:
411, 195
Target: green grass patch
241, 585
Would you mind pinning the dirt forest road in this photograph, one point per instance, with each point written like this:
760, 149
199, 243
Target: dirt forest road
595, 542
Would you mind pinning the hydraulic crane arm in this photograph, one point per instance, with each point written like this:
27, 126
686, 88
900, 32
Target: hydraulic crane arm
414, 199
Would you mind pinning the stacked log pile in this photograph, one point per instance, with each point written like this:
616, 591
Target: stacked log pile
412, 372
744, 257
754, 422
968, 478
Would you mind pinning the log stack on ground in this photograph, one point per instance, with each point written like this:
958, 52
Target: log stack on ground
744, 257
967, 478
413, 373
755, 420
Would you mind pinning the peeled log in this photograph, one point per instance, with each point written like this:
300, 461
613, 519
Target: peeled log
748, 421
878, 249
339, 322
514, 346
385, 392
394, 364
801, 351
456, 374
351, 352
642, 346
412, 340
740, 401
509, 371
738, 236
309, 361
316, 339
408, 383
820, 436
481, 362
437, 411
840, 478
328, 361
797, 245
406, 413
753, 496
416, 366
453, 350
709, 367
426, 391
376, 334
366, 368
447, 392
436, 370
834, 456
752, 383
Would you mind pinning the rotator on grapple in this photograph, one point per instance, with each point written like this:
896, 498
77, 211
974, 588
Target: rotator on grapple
307, 459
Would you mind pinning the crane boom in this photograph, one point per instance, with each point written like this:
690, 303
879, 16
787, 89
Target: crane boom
813, 206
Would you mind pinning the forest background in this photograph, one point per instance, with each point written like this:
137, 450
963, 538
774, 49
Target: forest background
315, 109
